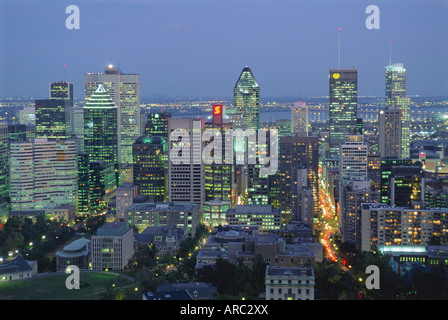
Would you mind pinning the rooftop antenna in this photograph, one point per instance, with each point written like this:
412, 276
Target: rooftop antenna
390, 52
65, 66
339, 47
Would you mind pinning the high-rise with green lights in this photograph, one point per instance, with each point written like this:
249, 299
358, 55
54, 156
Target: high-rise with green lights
157, 124
396, 81
100, 127
342, 108
17, 133
83, 199
4, 172
246, 99
124, 91
149, 167
102, 184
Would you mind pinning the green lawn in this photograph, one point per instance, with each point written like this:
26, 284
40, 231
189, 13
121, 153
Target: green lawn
53, 288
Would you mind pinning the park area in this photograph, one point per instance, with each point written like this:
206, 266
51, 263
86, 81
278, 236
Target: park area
53, 287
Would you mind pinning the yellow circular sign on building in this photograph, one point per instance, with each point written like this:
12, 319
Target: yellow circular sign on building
336, 75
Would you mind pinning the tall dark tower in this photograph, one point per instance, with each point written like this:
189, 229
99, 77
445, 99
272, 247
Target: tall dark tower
149, 169
53, 119
60, 90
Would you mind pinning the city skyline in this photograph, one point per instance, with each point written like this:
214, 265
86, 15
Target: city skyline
197, 48
291, 188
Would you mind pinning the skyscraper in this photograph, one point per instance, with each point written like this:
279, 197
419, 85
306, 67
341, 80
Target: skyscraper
185, 165
297, 154
353, 160
157, 124
343, 107
149, 168
53, 119
124, 91
77, 120
387, 167
353, 194
299, 117
4, 172
83, 199
17, 132
396, 82
61, 90
219, 175
102, 184
100, 127
246, 99
44, 174
389, 132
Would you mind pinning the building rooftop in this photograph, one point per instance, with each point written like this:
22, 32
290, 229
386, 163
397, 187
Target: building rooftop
19, 264
166, 206
290, 271
110, 229
170, 295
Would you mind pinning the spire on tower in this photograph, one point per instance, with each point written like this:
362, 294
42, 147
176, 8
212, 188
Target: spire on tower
390, 52
339, 47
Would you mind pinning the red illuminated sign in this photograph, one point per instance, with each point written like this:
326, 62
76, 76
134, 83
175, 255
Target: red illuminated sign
217, 114
217, 109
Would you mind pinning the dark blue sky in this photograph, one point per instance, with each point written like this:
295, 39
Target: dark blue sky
199, 47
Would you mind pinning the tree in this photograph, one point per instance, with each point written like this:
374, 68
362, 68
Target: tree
259, 272
13, 224
143, 257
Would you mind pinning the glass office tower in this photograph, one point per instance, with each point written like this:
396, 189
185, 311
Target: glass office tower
157, 124
342, 108
61, 90
53, 119
149, 167
246, 98
100, 127
396, 80
83, 199
124, 91
220, 174
4, 172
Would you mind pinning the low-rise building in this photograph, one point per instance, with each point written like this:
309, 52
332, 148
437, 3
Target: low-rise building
239, 245
197, 290
63, 212
265, 216
17, 269
286, 283
155, 214
166, 239
76, 253
112, 246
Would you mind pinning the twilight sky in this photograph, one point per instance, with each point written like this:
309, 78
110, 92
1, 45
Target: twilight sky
199, 47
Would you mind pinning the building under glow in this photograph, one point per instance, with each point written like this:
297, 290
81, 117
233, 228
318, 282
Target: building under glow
100, 127
342, 108
396, 81
124, 91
